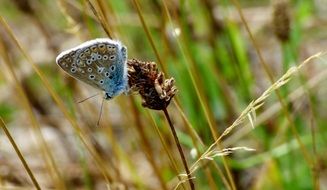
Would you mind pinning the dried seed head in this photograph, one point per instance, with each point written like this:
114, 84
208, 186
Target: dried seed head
24, 6
155, 90
281, 20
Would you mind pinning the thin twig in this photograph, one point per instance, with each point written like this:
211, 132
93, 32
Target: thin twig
180, 150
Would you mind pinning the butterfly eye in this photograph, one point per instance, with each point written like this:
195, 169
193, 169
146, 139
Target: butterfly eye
88, 62
93, 58
73, 70
112, 57
105, 57
107, 74
112, 67
101, 81
73, 65
91, 77
89, 69
99, 57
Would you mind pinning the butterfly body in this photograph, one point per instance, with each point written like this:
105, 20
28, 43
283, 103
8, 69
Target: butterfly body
100, 63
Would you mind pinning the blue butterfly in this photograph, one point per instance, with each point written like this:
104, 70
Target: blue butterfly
100, 63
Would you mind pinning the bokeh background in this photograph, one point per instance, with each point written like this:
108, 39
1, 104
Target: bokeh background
223, 54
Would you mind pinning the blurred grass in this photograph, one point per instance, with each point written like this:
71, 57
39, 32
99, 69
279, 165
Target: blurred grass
205, 47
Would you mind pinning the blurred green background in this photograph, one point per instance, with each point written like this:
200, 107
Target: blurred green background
222, 54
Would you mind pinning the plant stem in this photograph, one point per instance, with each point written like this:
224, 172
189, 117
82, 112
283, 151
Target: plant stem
179, 148
21, 157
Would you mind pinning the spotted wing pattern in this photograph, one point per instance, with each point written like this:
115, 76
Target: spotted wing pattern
100, 63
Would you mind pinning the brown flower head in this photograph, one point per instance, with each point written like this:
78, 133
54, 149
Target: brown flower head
155, 90
281, 20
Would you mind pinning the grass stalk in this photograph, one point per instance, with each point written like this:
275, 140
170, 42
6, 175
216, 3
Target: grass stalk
184, 47
19, 154
102, 20
166, 148
146, 145
315, 168
49, 160
196, 139
98, 160
191, 68
252, 107
275, 108
271, 79
149, 36
121, 155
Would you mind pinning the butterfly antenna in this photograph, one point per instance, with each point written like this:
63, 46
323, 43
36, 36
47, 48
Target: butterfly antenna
88, 98
98, 123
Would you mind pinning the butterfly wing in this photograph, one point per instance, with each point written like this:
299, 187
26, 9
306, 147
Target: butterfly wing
100, 63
